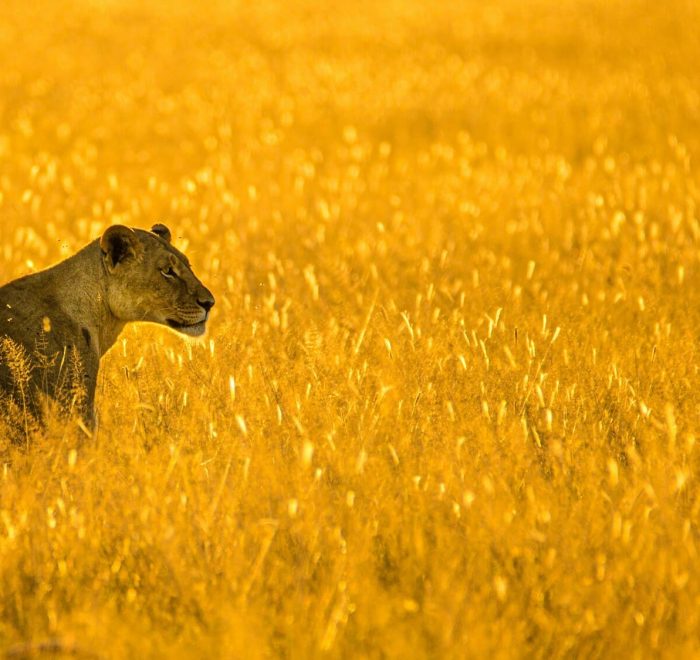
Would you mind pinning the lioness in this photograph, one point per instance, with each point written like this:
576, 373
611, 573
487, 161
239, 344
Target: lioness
62, 320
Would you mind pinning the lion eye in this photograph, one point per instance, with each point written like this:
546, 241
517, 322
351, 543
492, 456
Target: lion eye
169, 273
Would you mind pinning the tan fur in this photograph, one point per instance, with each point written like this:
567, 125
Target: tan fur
73, 312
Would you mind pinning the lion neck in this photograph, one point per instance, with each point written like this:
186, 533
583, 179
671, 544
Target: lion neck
82, 293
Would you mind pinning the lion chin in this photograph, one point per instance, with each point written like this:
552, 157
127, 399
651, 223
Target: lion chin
191, 329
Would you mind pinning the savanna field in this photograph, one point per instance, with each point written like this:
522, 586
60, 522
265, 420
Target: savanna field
449, 400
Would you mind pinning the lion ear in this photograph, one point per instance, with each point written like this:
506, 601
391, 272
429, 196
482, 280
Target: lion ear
162, 231
118, 243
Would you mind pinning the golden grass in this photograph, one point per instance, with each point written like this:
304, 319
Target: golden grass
449, 400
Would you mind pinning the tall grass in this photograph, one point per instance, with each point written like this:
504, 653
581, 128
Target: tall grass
448, 404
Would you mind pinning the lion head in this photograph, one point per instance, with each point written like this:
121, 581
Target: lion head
150, 280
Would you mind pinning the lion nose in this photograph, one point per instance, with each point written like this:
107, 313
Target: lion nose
206, 301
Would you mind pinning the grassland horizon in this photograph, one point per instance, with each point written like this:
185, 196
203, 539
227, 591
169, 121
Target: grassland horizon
448, 401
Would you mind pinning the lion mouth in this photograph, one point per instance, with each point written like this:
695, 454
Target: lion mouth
192, 329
